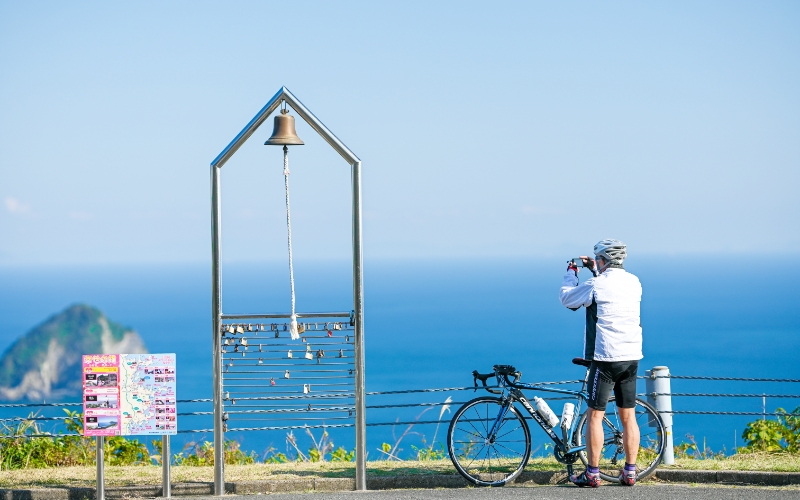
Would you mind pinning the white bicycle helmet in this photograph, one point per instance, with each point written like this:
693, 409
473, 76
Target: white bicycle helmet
612, 251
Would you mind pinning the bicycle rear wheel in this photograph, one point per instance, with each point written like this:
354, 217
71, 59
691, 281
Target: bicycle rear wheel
612, 456
483, 461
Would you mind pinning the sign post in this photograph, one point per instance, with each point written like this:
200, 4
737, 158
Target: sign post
130, 395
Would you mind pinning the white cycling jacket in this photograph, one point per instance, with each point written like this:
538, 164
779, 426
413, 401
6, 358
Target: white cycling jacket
613, 325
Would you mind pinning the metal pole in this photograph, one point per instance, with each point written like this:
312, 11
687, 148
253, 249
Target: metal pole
101, 474
166, 480
358, 308
216, 327
661, 387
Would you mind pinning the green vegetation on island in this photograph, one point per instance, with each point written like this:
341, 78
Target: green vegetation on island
45, 363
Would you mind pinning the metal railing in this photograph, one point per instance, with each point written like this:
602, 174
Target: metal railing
660, 398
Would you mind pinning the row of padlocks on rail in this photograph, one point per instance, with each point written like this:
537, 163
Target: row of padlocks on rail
268, 376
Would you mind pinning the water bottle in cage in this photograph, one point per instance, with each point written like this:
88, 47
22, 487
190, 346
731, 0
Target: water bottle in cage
545, 412
567, 415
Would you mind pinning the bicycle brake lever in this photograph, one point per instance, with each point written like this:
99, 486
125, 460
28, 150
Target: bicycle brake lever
475, 380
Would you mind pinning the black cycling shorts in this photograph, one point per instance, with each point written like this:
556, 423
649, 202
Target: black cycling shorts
617, 375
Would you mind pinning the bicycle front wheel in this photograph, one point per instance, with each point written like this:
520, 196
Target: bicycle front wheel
612, 455
482, 459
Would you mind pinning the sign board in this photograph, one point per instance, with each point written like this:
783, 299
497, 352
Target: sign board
129, 394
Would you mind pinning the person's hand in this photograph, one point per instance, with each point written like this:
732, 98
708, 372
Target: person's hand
572, 267
590, 265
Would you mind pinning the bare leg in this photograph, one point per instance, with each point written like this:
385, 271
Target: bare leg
630, 433
594, 436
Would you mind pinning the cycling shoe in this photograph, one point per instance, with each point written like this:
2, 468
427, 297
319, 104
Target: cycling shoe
626, 479
584, 479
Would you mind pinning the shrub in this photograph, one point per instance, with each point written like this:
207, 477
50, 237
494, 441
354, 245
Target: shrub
779, 435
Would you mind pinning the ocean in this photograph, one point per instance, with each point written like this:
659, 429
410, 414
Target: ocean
428, 324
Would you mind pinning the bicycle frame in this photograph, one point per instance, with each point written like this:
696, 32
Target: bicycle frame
516, 394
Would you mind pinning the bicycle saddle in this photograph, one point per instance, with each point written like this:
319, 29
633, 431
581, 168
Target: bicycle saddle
581, 362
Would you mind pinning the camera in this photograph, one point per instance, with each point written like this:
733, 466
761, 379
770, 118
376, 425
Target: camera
578, 262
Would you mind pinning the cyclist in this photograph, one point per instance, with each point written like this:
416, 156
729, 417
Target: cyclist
613, 344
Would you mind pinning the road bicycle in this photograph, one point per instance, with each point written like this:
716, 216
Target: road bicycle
489, 440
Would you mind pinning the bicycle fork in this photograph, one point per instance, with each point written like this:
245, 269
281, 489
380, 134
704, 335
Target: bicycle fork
498, 421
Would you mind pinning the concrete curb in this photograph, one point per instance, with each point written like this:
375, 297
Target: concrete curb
422, 481
729, 477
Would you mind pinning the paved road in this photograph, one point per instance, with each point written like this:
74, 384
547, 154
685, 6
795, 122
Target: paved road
648, 492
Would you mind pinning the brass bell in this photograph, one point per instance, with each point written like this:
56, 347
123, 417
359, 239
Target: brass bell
283, 132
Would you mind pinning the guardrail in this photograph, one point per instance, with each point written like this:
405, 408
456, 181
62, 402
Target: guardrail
659, 397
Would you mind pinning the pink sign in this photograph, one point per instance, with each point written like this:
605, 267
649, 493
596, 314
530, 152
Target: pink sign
129, 394
101, 395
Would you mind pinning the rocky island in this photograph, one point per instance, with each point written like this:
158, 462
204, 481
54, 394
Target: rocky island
45, 363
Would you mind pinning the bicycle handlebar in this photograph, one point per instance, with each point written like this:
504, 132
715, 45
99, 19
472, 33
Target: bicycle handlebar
499, 370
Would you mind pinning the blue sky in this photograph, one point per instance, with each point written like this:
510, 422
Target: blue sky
486, 130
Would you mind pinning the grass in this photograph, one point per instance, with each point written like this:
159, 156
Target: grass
151, 475
762, 462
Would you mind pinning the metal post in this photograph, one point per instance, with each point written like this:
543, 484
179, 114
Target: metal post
660, 389
358, 308
166, 480
101, 473
216, 326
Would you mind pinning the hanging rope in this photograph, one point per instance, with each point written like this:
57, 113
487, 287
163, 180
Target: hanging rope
293, 324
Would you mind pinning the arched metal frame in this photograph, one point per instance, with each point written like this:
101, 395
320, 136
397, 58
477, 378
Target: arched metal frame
358, 279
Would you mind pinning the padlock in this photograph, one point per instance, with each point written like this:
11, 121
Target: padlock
271, 381
236, 348
227, 396
239, 329
277, 334
260, 361
341, 353
337, 326
306, 388
330, 333
309, 407
309, 355
301, 327
289, 354
233, 401
259, 348
347, 338
244, 341
286, 375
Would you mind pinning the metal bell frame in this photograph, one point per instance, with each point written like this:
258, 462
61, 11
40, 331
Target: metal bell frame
358, 279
